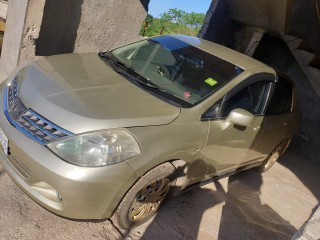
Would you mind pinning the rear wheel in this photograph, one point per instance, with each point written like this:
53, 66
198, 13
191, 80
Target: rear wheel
274, 156
143, 200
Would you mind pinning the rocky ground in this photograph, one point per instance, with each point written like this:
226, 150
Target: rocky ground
248, 205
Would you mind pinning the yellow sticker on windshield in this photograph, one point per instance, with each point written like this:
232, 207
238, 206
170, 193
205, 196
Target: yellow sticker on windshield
210, 81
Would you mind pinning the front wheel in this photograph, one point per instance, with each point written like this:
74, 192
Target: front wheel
274, 156
144, 198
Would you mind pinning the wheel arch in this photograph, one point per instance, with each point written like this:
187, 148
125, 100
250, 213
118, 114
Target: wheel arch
179, 174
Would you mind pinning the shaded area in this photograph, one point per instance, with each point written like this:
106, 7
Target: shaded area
275, 53
216, 213
304, 22
306, 144
145, 4
306, 171
299, 18
221, 28
215, 28
181, 217
231, 208
246, 215
59, 27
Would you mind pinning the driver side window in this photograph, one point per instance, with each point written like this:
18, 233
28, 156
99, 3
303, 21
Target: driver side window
252, 98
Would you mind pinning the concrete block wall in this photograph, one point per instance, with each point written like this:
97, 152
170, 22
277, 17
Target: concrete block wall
31, 29
48, 27
17, 10
111, 22
3, 9
270, 15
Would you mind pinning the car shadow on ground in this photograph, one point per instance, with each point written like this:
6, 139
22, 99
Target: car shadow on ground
243, 215
306, 170
302, 156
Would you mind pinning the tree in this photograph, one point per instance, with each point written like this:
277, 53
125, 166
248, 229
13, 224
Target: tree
173, 16
194, 20
149, 18
174, 21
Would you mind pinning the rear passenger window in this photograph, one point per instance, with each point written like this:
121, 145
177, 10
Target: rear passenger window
281, 99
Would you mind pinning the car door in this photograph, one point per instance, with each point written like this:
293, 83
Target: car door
279, 119
230, 148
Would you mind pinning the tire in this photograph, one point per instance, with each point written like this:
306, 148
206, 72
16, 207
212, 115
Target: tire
144, 198
274, 156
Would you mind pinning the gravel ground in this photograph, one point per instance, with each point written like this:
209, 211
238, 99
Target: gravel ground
247, 205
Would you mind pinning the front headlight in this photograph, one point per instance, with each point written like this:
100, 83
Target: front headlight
97, 149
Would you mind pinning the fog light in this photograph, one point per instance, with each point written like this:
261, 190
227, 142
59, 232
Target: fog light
47, 191
59, 197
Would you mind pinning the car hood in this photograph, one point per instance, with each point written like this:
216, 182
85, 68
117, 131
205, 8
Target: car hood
80, 93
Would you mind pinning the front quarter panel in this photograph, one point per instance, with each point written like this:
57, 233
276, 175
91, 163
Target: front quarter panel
183, 139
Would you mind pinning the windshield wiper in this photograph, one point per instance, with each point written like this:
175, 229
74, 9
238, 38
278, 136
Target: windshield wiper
115, 61
132, 74
135, 76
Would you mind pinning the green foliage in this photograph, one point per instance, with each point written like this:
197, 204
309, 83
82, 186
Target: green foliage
173, 21
149, 18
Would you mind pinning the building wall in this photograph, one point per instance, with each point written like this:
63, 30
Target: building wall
3, 9
270, 14
304, 22
48, 27
259, 25
17, 10
111, 22
31, 29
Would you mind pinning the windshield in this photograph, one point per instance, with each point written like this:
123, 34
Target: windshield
174, 66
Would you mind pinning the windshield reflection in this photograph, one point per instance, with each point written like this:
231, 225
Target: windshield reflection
175, 66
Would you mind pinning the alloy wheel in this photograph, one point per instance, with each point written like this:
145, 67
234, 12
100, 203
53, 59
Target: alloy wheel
148, 200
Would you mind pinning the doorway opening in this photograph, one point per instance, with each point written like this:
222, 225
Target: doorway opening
174, 17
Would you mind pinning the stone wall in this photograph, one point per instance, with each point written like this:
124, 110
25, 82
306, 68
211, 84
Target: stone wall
226, 20
110, 22
3, 9
58, 30
304, 22
270, 14
17, 10
256, 28
89, 25
48, 27
31, 29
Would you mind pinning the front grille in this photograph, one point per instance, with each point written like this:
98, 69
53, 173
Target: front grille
13, 92
26, 120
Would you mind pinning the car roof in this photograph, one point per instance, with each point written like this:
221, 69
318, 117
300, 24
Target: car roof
222, 52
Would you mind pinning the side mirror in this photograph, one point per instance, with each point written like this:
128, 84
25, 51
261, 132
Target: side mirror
239, 117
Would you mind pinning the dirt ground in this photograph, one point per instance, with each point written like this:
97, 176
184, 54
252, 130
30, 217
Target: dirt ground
247, 205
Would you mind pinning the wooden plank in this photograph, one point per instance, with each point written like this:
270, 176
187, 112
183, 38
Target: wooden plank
2, 26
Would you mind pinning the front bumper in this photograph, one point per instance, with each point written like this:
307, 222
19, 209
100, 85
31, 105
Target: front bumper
63, 188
